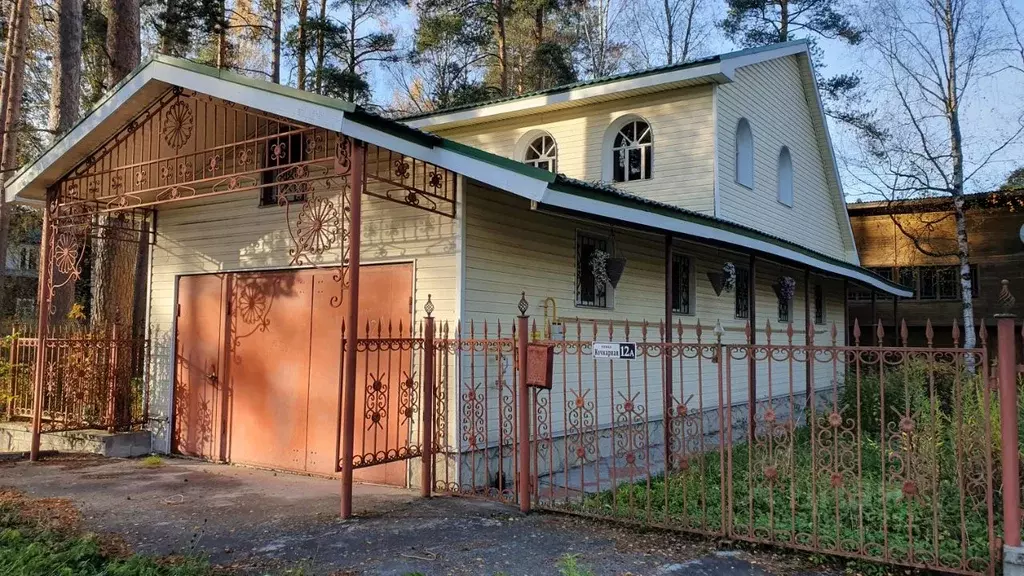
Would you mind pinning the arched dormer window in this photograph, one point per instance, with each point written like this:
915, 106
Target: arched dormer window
542, 153
744, 154
629, 150
538, 149
785, 177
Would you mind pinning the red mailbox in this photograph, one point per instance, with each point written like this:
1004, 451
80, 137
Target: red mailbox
540, 360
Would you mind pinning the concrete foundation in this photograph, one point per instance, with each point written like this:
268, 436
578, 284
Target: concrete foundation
17, 437
1013, 561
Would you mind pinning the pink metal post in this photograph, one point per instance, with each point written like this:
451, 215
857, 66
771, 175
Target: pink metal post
45, 262
348, 414
1008, 419
112, 382
522, 336
427, 414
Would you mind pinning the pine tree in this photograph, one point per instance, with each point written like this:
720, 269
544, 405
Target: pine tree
761, 22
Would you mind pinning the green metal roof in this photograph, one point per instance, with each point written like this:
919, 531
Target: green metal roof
559, 182
606, 79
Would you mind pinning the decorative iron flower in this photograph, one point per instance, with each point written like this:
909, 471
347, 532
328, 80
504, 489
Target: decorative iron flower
65, 255
252, 304
317, 226
177, 125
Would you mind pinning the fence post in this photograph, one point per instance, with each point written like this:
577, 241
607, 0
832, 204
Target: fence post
523, 476
427, 416
12, 373
42, 326
112, 382
1007, 350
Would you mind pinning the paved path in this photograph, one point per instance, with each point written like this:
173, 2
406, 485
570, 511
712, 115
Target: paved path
261, 522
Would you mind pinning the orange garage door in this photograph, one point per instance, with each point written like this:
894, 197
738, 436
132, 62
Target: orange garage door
257, 381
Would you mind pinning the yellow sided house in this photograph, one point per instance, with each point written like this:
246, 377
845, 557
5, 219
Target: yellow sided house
289, 281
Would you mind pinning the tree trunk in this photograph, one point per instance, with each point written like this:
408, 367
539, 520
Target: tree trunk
956, 152
65, 97
123, 44
275, 66
690, 14
320, 46
670, 33
499, 26
784, 21
300, 53
351, 95
10, 113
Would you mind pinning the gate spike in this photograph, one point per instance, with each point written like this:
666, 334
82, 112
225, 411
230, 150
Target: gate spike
593, 327
611, 329
472, 329
880, 332
789, 331
768, 330
401, 328
699, 329
956, 334
746, 330
366, 329
499, 327
904, 333
983, 333
533, 332
679, 329
834, 332
661, 330
485, 329
627, 329
643, 331
579, 329
929, 333
810, 333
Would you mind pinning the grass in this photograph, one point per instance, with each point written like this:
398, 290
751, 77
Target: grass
152, 461
568, 565
920, 501
42, 537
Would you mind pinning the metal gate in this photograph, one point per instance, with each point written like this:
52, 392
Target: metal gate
886, 454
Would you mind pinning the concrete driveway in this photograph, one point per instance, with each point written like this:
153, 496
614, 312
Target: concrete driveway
259, 522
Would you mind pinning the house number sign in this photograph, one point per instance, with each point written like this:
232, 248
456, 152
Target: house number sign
622, 350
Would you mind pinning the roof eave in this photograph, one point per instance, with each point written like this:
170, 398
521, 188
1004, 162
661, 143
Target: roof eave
710, 73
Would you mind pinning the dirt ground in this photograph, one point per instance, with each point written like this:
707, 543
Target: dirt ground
261, 522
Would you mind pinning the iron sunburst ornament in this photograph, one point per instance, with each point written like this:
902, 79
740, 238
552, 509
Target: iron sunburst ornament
65, 255
177, 125
317, 226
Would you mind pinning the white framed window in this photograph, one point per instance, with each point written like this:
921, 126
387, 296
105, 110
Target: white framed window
631, 154
744, 154
542, 152
785, 177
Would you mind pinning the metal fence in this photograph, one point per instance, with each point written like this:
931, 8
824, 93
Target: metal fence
92, 379
887, 454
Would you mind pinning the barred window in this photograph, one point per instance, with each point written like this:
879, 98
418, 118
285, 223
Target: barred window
285, 151
784, 306
590, 292
742, 293
819, 304
681, 295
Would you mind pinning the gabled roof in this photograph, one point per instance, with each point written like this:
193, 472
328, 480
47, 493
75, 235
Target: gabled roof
158, 74
716, 69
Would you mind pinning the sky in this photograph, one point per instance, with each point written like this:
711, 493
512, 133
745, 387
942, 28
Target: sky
989, 110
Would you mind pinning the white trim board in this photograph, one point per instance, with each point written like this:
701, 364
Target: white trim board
697, 230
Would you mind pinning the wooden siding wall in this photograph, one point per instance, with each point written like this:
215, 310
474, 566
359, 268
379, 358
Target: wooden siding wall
510, 249
771, 97
996, 250
231, 233
683, 126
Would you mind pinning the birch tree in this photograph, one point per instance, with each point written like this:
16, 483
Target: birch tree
931, 57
